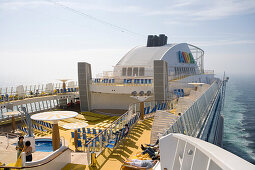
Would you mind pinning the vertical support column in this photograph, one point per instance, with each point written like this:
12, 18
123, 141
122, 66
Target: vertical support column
55, 136
84, 80
13, 123
142, 110
75, 139
160, 80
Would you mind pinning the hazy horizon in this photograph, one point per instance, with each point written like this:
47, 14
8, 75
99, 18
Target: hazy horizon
42, 41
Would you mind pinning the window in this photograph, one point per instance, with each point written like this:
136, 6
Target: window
135, 71
129, 71
124, 71
141, 71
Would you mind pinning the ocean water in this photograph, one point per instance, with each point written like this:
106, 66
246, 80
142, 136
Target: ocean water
239, 117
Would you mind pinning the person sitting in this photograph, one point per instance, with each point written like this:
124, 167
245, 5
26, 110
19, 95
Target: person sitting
28, 151
153, 153
126, 130
141, 163
20, 146
155, 144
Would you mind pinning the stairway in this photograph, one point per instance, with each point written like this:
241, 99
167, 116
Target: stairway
162, 121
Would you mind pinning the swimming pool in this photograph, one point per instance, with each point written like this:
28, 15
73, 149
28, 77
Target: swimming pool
44, 145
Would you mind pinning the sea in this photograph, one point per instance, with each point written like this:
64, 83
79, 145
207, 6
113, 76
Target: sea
239, 117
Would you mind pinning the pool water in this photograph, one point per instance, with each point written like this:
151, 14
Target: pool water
44, 145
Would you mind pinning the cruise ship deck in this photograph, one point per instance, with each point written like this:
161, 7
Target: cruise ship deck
140, 133
159, 91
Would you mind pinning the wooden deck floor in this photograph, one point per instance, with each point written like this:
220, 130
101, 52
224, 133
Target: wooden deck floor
112, 159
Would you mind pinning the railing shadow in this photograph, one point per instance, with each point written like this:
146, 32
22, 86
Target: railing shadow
126, 146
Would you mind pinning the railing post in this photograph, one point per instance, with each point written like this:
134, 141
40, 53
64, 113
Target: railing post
142, 110
100, 142
88, 155
93, 159
93, 144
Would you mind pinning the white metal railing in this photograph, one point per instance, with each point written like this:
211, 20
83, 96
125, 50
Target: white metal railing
35, 105
131, 117
10, 94
178, 151
190, 122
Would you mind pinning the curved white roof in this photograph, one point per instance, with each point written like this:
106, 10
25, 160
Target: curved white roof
144, 56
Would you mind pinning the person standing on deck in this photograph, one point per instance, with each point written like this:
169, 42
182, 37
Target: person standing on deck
28, 151
20, 146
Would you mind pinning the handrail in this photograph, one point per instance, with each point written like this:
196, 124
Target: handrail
33, 166
106, 128
167, 131
210, 109
118, 120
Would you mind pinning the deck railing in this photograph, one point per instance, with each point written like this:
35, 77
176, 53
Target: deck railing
109, 137
10, 93
191, 121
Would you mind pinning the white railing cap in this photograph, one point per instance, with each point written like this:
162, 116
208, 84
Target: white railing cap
222, 157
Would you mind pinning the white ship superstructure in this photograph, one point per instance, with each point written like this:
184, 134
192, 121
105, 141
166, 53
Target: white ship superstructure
135, 73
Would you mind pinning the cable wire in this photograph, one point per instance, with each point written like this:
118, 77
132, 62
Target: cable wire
122, 29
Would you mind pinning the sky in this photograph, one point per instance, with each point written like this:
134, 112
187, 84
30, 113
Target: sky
42, 40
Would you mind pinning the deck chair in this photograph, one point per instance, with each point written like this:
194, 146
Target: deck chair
154, 109
162, 104
182, 92
179, 93
148, 110
83, 130
113, 143
79, 144
142, 81
176, 92
159, 105
84, 136
88, 131
41, 128
94, 131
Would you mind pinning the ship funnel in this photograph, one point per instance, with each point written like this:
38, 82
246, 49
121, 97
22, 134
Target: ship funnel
150, 41
156, 41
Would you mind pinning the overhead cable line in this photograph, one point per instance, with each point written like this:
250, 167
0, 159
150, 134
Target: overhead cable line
122, 29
